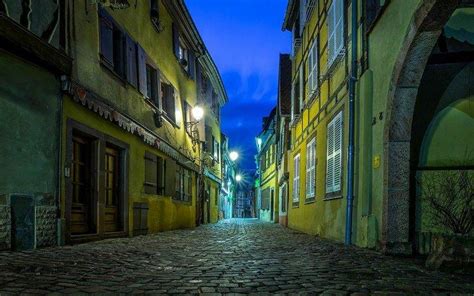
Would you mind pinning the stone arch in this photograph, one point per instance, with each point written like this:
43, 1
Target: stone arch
423, 33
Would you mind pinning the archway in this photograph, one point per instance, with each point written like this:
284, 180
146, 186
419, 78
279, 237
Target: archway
424, 31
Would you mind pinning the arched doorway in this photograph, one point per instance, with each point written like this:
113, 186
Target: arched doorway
404, 133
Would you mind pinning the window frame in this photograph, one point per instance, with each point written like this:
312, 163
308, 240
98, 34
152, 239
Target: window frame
296, 179
332, 154
334, 24
311, 169
313, 67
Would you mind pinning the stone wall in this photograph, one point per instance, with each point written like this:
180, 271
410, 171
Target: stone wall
5, 228
45, 226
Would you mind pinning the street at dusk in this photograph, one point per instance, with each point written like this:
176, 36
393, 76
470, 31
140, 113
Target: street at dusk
236, 256
237, 147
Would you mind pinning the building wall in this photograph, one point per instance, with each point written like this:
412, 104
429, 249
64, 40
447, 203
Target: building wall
325, 215
29, 125
164, 212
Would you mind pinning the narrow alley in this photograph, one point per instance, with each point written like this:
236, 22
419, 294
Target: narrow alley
233, 256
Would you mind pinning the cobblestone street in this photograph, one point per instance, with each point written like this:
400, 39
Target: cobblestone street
235, 256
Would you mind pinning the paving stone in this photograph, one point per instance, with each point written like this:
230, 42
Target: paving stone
232, 257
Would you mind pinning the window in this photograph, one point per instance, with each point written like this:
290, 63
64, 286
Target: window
168, 101
313, 61
183, 184
184, 55
112, 45
302, 17
155, 14
311, 169
336, 30
283, 194
152, 84
215, 149
188, 116
154, 174
296, 179
334, 154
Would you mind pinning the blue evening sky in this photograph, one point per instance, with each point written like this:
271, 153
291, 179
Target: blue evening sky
244, 38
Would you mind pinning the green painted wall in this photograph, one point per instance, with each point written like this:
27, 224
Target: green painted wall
29, 131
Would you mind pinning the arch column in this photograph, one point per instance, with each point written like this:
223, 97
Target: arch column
424, 30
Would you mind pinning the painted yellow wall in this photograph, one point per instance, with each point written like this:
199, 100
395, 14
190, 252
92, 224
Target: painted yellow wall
164, 212
323, 216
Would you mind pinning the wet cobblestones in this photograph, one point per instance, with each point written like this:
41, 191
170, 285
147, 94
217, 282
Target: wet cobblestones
235, 257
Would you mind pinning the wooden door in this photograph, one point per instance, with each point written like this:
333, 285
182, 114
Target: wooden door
112, 199
81, 176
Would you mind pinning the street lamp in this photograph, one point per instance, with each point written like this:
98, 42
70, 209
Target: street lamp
238, 178
197, 112
233, 155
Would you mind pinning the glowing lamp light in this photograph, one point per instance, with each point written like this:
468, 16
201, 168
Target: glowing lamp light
198, 113
259, 141
238, 178
233, 155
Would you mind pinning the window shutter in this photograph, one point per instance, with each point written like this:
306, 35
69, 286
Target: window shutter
142, 82
157, 83
175, 40
209, 137
132, 71
301, 89
331, 29
302, 15
171, 103
330, 158
339, 30
150, 173
192, 65
308, 170
198, 79
170, 179
106, 37
160, 176
337, 152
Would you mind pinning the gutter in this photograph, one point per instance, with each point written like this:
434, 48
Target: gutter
350, 158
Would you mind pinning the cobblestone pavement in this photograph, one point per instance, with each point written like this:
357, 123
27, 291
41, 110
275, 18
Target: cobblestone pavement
236, 256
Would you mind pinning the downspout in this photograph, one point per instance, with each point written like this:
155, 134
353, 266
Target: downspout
350, 159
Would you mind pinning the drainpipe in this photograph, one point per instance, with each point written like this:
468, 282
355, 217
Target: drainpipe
350, 160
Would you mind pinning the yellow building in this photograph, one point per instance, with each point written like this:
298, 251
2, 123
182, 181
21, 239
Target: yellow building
267, 189
318, 117
131, 144
359, 169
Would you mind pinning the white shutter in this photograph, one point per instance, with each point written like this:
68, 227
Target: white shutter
296, 179
339, 27
302, 16
331, 30
301, 87
330, 158
338, 127
313, 170
313, 67
334, 154
308, 170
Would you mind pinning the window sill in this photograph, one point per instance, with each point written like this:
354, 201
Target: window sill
185, 202
310, 200
111, 71
333, 196
168, 119
296, 204
332, 66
